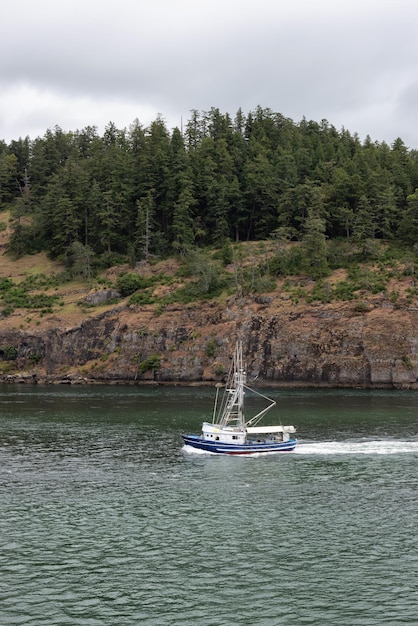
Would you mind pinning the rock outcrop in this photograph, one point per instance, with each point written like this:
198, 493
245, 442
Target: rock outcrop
284, 344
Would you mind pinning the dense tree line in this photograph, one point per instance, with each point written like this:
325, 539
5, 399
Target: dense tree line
143, 192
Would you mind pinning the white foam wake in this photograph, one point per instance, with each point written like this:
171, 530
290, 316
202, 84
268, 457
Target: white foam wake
358, 447
192, 450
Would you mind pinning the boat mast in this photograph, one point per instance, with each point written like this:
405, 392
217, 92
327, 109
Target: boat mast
232, 412
241, 380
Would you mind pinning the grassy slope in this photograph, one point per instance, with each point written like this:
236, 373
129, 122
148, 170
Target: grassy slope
68, 313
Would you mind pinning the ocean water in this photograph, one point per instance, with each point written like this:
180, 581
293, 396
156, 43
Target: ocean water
107, 520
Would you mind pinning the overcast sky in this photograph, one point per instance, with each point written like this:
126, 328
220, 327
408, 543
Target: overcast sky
89, 62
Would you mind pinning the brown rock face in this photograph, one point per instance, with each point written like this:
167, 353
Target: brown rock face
284, 344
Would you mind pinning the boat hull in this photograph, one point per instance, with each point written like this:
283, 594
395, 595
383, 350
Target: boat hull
217, 447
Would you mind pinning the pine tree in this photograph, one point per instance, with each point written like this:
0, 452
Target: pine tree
315, 246
182, 228
145, 226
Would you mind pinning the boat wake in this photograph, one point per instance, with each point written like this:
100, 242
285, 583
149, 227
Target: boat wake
192, 450
358, 447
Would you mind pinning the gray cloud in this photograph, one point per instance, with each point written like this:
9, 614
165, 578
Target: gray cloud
78, 63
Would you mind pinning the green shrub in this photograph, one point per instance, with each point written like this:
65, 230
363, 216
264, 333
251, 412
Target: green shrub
322, 292
264, 284
19, 297
5, 284
128, 283
407, 362
142, 297
211, 348
344, 290
227, 254
10, 353
152, 363
288, 262
108, 259
8, 310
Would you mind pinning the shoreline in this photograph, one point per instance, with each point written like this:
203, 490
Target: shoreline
33, 379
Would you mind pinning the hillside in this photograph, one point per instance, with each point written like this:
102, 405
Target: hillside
296, 331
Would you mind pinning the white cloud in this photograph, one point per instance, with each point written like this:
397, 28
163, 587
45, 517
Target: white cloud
48, 109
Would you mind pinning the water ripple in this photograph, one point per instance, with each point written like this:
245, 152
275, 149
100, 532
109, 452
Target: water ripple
104, 525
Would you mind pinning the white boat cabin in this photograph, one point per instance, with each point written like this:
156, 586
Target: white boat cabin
231, 434
227, 434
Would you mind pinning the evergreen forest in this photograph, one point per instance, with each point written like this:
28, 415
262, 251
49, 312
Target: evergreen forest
142, 193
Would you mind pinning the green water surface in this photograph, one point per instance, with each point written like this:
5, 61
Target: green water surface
105, 520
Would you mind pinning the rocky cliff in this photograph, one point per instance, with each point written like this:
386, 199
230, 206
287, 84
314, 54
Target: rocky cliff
284, 344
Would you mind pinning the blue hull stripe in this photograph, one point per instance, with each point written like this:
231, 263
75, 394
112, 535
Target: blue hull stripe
247, 448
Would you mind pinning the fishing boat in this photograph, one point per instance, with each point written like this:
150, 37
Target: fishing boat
230, 431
